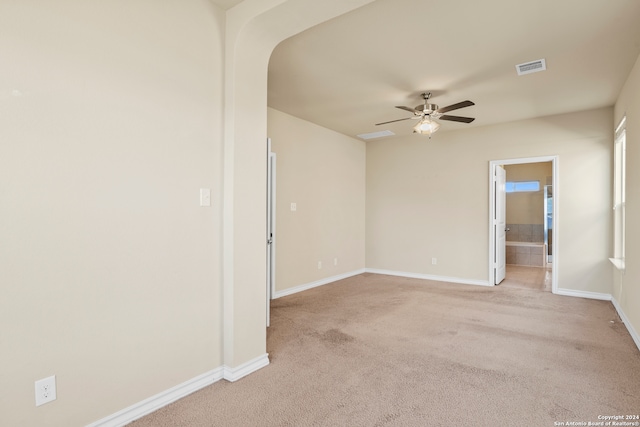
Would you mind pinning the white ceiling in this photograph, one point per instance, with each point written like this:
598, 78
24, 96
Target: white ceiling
348, 73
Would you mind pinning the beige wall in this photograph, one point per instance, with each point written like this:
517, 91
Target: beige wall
527, 207
112, 118
323, 172
430, 198
253, 29
111, 122
626, 288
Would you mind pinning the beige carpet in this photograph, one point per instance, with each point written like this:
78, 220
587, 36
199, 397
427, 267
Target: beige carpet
376, 350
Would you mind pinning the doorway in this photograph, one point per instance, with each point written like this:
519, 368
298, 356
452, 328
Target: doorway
548, 219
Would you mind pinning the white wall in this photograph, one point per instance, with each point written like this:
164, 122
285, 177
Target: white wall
323, 172
626, 289
112, 117
430, 198
110, 122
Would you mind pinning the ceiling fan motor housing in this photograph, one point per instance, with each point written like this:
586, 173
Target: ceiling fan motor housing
426, 108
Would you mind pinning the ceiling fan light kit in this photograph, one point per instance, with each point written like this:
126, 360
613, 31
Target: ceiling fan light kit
426, 127
427, 112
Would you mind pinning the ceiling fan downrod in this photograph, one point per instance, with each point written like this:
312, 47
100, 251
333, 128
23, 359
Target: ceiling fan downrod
427, 109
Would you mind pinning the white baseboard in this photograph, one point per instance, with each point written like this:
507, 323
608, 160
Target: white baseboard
583, 294
160, 400
605, 297
234, 374
166, 397
315, 284
429, 277
634, 334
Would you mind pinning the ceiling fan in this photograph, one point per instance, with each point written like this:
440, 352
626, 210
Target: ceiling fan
427, 112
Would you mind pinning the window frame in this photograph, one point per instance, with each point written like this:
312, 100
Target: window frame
619, 194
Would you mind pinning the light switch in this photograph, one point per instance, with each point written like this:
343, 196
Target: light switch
205, 197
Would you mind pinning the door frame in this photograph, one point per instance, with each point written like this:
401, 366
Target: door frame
271, 228
500, 214
555, 181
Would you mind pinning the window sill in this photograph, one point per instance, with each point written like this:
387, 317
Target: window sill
618, 262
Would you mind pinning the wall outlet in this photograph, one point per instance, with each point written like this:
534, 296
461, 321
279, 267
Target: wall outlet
294, 206
45, 390
335, 261
434, 261
319, 265
205, 197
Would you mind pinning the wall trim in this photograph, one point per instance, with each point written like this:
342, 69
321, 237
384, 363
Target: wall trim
429, 277
634, 334
234, 374
317, 283
605, 297
160, 400
168, 396
583, 294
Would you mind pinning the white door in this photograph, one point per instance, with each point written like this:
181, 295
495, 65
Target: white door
500, 224
271, 227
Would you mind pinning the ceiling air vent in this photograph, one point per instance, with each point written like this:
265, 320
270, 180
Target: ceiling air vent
373, 135
531, 67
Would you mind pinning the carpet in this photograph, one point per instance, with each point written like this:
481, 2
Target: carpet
376, 350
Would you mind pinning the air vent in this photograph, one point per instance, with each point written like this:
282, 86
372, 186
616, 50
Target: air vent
531, 67
373, 135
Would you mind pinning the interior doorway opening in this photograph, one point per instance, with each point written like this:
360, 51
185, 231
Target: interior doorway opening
528, 246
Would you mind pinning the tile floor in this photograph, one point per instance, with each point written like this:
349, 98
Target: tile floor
535, 278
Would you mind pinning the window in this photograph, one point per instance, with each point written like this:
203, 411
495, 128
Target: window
522, 186
619, 173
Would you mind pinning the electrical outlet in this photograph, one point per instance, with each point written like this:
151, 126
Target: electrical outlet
335, 261
434, 261
205, 197
319, 265
45, 390
294, 206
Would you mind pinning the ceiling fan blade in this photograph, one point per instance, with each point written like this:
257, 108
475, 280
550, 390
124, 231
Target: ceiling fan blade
455, 106
393, 121
409, 109
457, 119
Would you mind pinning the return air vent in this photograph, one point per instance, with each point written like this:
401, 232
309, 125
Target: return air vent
531, 67
373, 135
